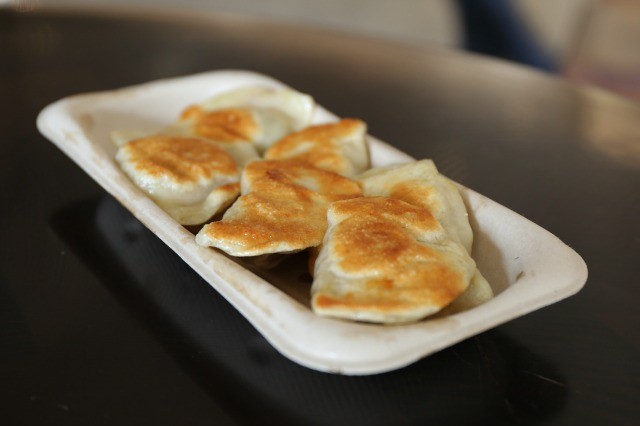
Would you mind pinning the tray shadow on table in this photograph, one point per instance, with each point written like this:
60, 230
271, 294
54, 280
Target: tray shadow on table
488, 378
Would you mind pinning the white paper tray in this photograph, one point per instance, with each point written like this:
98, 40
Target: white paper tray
527, 266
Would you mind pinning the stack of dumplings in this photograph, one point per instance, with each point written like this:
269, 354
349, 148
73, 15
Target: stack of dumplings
282, 209
387, 245
191, 184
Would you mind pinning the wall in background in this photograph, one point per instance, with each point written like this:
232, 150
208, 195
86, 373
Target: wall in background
554, 22
583, 36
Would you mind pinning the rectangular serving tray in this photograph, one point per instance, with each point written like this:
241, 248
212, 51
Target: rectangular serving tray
528, 267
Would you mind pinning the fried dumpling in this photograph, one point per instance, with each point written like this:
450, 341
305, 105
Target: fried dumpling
282, 209
338, 147
479, 291
386, 261
256, 115
192, 179
242, 152
419, 183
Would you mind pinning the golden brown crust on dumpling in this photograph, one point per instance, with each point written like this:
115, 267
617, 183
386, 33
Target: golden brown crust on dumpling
283, 209
302, 179
223, 125
385, 260
409, 192
420, 184
414, 274
269, 227
319, 146
413, 217
179, 159
190, 178
432, 284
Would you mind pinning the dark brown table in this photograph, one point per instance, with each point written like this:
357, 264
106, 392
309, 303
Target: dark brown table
101, 324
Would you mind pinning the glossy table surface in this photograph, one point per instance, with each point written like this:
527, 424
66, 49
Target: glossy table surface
101, 324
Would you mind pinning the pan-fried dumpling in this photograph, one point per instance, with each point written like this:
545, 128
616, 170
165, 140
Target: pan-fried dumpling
386, 261
479, 291
338, 147
257, 115
192, 179
420, 184
242, 152
282, 209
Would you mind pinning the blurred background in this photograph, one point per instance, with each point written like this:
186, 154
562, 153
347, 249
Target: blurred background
589, 41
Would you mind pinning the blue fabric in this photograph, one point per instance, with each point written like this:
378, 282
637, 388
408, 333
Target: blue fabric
494, 27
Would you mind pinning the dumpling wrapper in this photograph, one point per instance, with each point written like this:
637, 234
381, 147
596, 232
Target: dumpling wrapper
242, 152
192, 179
338, 147
419, 183
256, 115
282, 209
386, 261
479, 292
